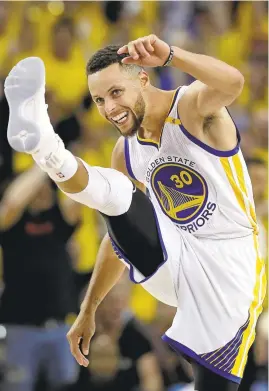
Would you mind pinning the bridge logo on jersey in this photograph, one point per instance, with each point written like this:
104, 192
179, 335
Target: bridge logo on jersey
181, 191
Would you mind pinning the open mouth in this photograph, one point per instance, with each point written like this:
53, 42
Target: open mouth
120, 118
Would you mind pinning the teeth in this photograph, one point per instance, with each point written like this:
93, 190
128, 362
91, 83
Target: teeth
120, 116
122, 120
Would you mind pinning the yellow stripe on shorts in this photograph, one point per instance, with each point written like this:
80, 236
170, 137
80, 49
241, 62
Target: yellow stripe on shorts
254, 312
260, 284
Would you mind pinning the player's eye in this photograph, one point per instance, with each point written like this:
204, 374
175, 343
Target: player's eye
116, 92
99, 100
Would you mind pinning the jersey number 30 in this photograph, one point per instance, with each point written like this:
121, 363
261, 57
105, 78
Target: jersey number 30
183, 178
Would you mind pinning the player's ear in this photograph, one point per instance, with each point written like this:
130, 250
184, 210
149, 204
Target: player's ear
144, 79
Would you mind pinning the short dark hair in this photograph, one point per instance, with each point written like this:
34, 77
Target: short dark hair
107, 56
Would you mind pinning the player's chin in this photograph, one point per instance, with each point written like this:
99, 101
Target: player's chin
126, 131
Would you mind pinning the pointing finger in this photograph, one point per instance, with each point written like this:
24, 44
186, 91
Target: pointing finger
130, 60
123, 49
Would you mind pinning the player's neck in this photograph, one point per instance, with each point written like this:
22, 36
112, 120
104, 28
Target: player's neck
158, 105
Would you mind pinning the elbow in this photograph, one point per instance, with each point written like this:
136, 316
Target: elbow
238, 83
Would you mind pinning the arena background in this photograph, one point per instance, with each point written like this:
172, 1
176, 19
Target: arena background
64, 35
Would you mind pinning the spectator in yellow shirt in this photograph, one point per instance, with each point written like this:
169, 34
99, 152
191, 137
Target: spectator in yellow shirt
64, 63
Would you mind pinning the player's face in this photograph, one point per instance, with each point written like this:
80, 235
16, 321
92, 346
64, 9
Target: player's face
118, 98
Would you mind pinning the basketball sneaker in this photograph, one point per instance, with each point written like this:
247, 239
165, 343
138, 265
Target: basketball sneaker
29, 127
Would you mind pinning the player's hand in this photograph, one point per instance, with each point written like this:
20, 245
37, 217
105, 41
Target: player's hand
82, 330
149, 51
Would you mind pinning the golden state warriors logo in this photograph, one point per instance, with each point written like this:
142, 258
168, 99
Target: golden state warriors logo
181, 191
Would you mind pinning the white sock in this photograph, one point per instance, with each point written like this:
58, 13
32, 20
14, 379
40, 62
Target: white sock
108, 191
57, 161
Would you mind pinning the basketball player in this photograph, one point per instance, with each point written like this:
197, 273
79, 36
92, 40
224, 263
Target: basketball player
193, 243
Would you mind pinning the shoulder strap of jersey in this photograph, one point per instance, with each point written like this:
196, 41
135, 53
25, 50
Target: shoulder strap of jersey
172, 116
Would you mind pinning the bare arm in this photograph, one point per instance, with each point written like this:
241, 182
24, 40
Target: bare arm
19, 194
218, 85
107, 271
202, 108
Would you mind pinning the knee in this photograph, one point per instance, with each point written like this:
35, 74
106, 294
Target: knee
108, 191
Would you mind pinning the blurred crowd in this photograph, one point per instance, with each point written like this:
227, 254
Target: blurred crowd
126, 353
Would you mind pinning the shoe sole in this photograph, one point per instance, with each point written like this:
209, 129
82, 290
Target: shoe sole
24, 81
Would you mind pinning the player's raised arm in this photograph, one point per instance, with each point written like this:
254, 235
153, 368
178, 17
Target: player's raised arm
219, 83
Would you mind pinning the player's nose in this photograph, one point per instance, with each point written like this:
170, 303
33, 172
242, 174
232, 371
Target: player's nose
110, 107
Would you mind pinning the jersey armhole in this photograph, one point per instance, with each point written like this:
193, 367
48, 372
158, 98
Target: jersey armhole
206, 147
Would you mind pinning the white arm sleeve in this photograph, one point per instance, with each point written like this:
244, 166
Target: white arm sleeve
108, 191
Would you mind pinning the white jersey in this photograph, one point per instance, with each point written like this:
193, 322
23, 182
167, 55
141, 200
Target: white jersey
212, 271
204, 191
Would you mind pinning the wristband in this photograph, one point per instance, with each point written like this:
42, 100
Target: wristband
170, 57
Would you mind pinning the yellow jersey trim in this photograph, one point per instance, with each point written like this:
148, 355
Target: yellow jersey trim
260, 284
